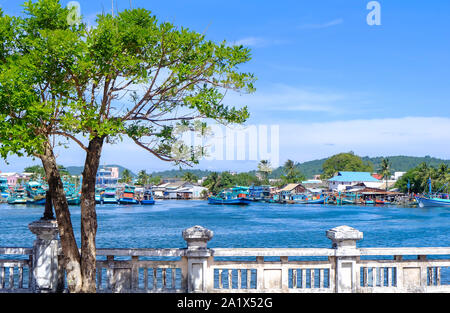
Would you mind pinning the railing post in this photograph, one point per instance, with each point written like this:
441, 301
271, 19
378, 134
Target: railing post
45, 256
198, 256
346, 255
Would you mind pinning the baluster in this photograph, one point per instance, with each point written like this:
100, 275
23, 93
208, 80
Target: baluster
249, 278
164, 283
146, 278
220, 279
294, 278
303, 278
230, 284
374, 274
174, 276
312, 272
11, 278
389, 273
99, 278
321, 275
438, 276
154, 278
365, 276
20, 276
239, 284
2, 277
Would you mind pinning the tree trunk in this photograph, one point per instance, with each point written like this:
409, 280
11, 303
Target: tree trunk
68, 242
89, 215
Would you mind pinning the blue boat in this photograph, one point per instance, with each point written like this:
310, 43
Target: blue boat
109, 196
236, 195
19, 196
128, 196
238, 201
432, 202
4, 189
148, 197
433, 199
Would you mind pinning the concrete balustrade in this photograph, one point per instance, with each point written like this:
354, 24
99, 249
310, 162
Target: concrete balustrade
342, 268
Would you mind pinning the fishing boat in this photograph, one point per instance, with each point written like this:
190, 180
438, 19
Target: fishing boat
109, 196
98, 195
237, 196
148, 197
308, 199
4, 189
238, 201
432, 201
128, 196
19, 196
35, 192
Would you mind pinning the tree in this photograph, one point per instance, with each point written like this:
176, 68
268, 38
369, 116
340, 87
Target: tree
126, 177
143, 178
265, 168
291, 173
344, 162
189, 177
36, 170
128, 77
385, 170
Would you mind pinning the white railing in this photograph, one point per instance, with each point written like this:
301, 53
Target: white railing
197, 268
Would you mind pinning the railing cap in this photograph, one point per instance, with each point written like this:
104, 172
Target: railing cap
344, 232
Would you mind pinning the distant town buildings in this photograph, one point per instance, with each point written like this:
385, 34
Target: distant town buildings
107, 176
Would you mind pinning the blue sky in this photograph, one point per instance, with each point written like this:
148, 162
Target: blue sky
329, 80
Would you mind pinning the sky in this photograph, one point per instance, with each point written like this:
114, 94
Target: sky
330, 81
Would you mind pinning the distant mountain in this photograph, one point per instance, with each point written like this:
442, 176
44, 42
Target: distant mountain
180, 173
77, 170
399, 163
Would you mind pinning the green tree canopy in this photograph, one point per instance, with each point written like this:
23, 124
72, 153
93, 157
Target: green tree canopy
344, 162
130, 76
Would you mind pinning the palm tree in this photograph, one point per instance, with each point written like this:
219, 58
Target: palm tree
143, 178
385, 170
126, 177
190, 177
264, 167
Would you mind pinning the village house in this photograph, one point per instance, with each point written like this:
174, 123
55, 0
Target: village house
287, 191
178, 189
343, 180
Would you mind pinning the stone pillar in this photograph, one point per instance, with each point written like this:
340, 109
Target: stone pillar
198, 256
344, 242
45, 255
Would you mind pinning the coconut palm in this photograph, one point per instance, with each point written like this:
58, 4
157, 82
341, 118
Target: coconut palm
385, 170
264, 168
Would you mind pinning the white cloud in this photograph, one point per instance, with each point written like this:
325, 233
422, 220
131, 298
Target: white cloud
281, 97
322, 25
416, 136
258, 42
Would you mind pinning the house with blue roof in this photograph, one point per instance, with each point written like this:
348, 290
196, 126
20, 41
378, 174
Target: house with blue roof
346, 179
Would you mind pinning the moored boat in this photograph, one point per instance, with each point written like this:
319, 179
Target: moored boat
109, 196
128, 196
148, 197
238, 201
432, 202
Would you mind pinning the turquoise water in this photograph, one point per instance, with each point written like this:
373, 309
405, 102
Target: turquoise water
255, 225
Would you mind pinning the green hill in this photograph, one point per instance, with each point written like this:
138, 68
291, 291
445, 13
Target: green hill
399, 163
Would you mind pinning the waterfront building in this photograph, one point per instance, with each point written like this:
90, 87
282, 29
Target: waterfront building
107, 176
289, 190
343, 180
13, 179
